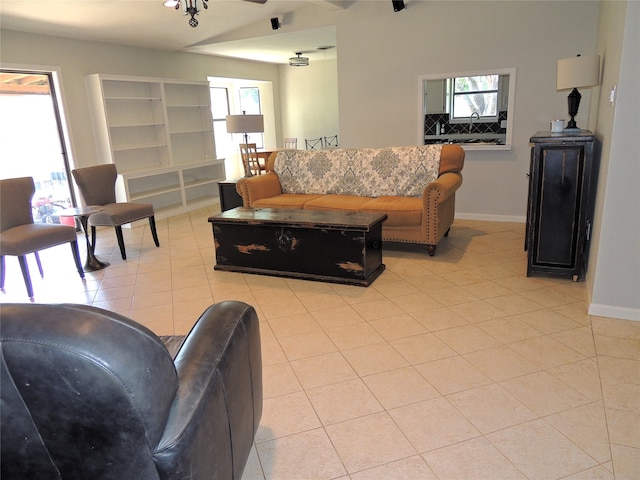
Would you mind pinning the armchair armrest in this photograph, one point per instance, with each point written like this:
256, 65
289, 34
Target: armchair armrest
257, 187
218, 405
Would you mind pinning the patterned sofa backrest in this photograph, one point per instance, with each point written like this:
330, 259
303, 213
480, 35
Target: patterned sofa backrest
369, 172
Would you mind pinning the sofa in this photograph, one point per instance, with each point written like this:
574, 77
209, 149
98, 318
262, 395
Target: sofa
87, 393
414, 185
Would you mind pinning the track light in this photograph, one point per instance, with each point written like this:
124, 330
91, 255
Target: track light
397, 5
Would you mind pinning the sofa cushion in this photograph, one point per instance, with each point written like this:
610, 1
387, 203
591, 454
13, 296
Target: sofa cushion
346, 203
365, 172
286, 200
400, 210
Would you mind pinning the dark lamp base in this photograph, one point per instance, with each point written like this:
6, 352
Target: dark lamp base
573, 101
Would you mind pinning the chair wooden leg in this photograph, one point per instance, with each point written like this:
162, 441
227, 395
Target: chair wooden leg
1, 272
121, 242
154, 233
76, 257
22, 259
39, 264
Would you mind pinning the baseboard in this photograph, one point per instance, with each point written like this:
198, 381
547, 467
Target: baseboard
491, 218
612, 311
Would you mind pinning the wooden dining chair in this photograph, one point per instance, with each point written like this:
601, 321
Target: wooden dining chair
19, 235
250, 159
97, 186
290, 143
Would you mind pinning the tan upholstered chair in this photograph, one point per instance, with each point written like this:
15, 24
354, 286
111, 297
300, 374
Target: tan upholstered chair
97, 187
19, 236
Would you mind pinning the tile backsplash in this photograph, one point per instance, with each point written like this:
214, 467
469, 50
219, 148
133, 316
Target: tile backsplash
431, 120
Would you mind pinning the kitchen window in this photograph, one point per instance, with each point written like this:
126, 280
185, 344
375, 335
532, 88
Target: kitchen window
475, 94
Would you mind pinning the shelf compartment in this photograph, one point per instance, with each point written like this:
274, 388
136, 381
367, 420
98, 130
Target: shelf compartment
203, 192
130, 89
139, 159
178, 94
213, 172
162, 201
141, 186
134, 112
192, 147
137, 136
189, 119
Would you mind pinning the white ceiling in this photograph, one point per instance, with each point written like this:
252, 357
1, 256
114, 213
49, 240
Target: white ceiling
148, 24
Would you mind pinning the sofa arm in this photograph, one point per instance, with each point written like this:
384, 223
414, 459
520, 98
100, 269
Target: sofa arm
217, 408
257, 187
438, 207
442, 188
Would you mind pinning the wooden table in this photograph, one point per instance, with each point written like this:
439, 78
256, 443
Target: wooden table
92, 262
339, 247
264, 155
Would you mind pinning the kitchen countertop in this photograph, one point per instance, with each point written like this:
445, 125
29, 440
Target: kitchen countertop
473, 141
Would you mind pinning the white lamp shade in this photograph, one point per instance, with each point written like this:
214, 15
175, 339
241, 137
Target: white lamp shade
577, 72
245, 123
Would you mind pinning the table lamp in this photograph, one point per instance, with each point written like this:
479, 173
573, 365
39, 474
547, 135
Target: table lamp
245, 124
573, 73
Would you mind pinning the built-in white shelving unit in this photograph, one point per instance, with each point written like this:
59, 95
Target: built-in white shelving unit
159, 134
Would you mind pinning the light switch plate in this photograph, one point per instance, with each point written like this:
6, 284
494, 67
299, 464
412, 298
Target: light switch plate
612, 96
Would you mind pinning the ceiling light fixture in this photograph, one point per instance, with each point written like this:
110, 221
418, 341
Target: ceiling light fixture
189, 7
298, 61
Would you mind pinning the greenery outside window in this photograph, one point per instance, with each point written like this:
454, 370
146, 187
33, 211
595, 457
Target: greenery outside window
250, 104
474, 94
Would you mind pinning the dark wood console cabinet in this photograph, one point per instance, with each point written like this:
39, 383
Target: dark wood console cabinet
229, 197
563, 178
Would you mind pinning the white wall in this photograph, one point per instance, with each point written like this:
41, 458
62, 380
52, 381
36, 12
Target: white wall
309, 104
76, 59
614, 274
382, 53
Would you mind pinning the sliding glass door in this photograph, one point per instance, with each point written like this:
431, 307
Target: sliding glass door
32, 141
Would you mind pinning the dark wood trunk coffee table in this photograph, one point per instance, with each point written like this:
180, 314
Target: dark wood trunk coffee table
339, 247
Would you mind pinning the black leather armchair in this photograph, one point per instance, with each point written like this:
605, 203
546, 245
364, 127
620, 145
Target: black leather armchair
90, 394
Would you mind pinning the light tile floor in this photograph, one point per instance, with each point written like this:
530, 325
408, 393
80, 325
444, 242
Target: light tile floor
456, 366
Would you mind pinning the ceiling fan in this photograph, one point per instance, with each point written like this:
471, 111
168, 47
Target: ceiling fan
190, 7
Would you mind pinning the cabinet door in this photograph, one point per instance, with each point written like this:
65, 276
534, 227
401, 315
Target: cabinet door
559, 178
